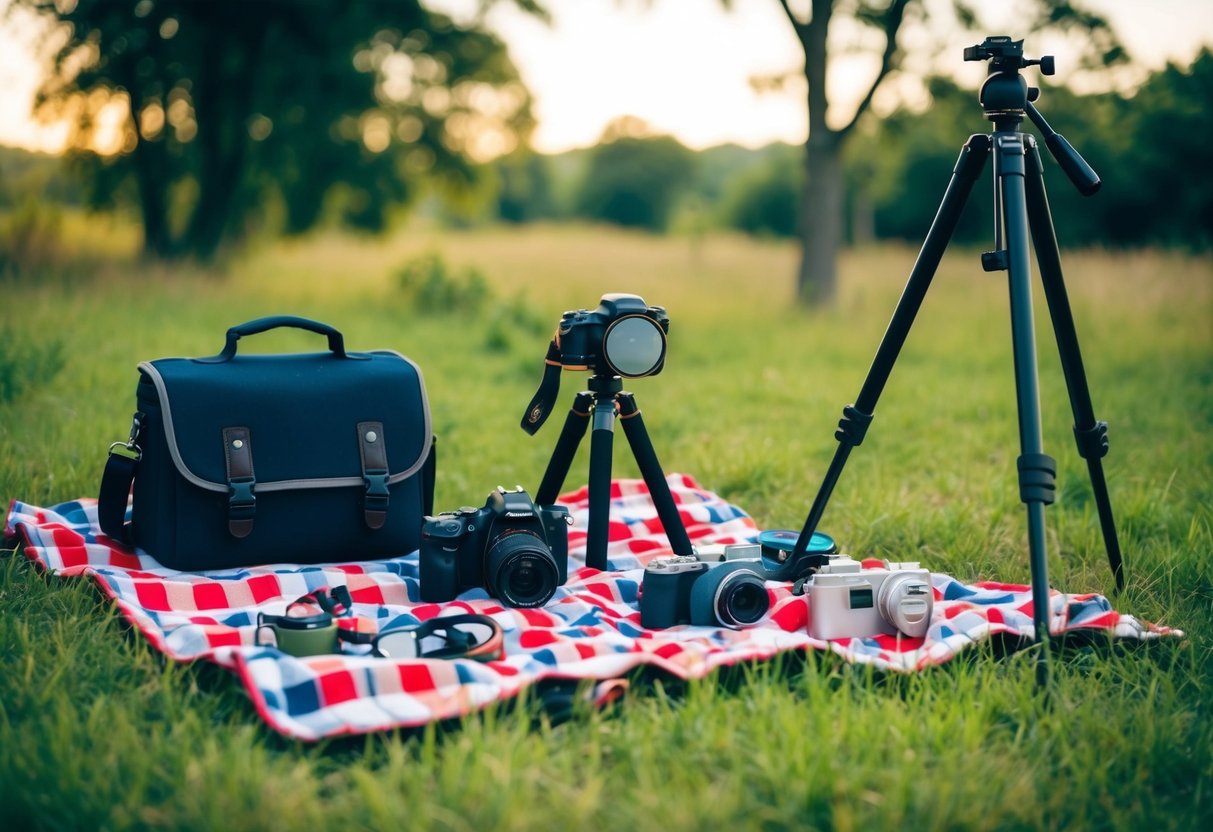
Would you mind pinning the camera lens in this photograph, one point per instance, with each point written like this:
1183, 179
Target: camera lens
906, 602
634, 346
741, 599
731, 594
520, 570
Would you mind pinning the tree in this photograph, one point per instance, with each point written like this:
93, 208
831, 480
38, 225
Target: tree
228, 107
822, 197
633, 178
764, 199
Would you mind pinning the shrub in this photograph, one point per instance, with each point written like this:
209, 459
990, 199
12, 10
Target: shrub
434, 287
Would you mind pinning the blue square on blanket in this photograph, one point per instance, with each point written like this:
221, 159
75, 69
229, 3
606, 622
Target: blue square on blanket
302, 698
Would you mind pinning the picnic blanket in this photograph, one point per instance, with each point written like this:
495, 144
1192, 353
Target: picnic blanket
590, 630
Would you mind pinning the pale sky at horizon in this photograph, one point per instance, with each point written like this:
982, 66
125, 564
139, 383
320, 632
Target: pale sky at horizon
683, 66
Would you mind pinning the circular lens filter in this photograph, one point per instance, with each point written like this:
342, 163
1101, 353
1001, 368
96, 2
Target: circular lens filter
784, 540
634, 346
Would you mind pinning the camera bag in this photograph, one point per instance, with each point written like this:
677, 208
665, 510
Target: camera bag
239, 460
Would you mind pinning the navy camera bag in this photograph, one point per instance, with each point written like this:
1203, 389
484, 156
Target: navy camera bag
239, 460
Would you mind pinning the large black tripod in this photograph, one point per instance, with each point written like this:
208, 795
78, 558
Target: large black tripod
600, 404
1021, 208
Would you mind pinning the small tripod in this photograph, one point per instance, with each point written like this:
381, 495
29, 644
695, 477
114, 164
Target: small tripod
602, 401
1021, 208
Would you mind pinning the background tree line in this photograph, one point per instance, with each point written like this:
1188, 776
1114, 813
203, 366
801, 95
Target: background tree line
1150, 150
282, 116
1147, 148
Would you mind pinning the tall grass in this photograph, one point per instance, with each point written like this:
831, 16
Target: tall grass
96, 731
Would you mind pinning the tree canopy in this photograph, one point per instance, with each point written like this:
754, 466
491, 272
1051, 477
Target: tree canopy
633, 178
231, 108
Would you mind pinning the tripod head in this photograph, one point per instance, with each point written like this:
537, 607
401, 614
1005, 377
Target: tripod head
1006, 98
1005, 94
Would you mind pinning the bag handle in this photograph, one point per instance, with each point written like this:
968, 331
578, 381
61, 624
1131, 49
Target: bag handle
336, 340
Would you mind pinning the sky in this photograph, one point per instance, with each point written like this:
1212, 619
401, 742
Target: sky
683, 66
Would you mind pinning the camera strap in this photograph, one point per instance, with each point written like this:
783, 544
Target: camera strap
544, 399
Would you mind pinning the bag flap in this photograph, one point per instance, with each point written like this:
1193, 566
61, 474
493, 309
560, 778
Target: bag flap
301, 412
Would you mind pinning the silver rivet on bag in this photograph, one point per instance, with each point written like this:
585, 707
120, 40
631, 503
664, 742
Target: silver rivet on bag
237, 443
371, 436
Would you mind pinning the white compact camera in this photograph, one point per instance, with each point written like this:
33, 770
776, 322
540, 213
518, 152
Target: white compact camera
848, 601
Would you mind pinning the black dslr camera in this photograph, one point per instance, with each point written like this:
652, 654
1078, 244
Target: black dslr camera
622, 337
691, 590
515, 549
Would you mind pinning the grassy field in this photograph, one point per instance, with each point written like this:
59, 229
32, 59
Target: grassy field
96, 732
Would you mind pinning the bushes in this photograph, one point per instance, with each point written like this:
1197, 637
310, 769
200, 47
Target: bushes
30, 239
435, 288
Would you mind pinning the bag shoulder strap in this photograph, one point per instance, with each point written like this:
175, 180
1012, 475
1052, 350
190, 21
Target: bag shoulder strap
116, 483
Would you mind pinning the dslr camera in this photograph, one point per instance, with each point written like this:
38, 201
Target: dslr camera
848, 601
701, 590
622, 337
515, 549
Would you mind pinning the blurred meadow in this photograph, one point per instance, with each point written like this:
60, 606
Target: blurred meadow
465, 264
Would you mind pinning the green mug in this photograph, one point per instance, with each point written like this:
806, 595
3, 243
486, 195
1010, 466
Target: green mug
310, 635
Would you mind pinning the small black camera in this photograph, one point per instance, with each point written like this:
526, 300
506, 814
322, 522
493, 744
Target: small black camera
688, 590
515, 549
622, 337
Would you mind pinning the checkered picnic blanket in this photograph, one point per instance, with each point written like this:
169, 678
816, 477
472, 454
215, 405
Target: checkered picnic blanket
590, 630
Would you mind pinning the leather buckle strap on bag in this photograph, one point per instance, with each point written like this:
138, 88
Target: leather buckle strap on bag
241, 503
116, 483
372, 449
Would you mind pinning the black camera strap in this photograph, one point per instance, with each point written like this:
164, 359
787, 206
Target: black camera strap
544, 399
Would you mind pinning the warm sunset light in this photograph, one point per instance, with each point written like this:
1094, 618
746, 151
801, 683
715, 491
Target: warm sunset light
685, 68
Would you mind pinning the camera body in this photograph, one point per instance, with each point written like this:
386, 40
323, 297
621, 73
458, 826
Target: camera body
689, 590
848, 601
611, 341
515, 549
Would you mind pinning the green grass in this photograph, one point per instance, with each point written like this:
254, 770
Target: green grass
96, 731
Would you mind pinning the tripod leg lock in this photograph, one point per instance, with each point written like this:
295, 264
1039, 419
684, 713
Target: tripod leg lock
853, 425
1037, 478
1092, 442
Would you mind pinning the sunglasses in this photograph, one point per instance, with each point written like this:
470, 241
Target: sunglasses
446, 637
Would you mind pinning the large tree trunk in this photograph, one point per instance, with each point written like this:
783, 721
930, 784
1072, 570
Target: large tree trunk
153, 200
822, 203
222, 98
821, 200
822, 214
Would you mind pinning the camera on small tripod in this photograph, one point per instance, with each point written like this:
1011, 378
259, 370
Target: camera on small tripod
623, 338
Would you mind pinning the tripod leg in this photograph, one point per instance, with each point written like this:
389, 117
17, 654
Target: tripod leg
601, 448
571, 434
1037, 471
654, 477
1091, 436
857, 417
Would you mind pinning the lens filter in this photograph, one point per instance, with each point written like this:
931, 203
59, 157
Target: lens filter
634, 346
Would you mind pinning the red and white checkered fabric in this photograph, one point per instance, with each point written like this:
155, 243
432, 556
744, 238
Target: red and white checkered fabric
589, 630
